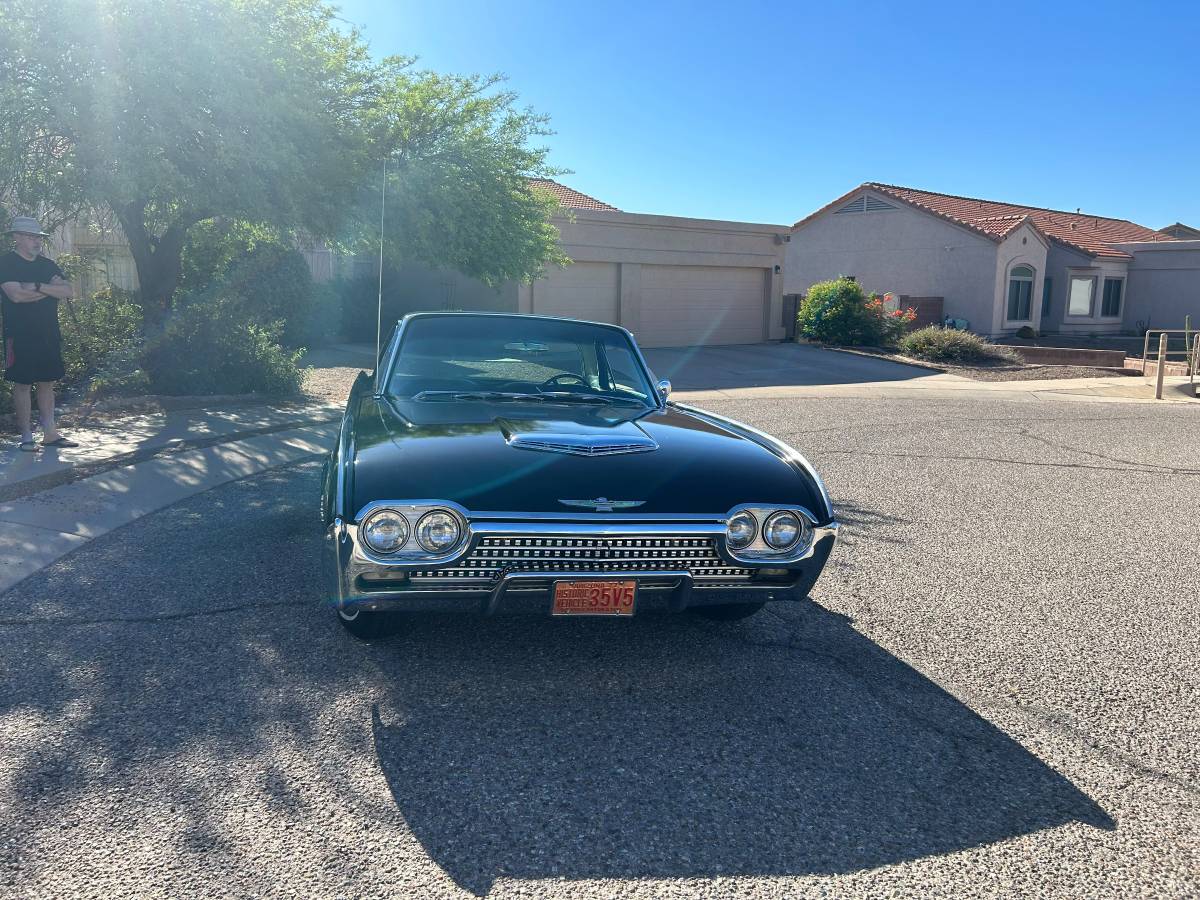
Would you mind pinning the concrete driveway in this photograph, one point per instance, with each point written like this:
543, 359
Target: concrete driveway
775, 365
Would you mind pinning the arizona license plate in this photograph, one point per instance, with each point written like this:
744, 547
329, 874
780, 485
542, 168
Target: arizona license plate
594, 598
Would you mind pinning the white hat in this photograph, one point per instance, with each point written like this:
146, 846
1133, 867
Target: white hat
26, 225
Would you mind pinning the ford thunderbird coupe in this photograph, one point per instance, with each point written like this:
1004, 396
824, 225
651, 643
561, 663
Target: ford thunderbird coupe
511, 463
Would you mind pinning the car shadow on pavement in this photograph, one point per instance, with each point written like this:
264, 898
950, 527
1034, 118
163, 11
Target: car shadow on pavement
671, 748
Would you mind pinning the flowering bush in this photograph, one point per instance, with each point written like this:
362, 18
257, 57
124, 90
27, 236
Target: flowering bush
839, 312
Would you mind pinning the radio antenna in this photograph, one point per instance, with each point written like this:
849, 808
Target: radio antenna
379, 303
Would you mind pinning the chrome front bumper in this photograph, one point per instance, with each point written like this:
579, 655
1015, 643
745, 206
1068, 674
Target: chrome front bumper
356, 578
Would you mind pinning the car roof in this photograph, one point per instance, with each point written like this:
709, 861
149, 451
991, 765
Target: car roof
467, 313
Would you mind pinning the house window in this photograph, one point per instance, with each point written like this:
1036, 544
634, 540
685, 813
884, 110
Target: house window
1020, 294
1047, 289
1079, 298
1111, 305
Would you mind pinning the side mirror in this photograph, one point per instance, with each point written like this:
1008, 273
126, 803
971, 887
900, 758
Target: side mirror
664, 388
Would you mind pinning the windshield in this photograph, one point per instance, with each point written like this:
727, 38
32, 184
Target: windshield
494, 358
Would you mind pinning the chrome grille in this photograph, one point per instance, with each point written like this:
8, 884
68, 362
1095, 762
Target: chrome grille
494, 556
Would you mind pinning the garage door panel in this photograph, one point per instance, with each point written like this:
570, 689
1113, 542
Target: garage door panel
583, 290
698, 305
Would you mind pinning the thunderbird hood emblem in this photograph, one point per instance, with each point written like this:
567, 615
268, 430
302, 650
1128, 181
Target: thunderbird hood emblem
603, 504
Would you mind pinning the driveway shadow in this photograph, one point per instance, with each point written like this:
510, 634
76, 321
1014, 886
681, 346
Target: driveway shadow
772, 365
670, 748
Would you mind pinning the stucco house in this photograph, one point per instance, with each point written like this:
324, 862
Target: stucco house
1000, 266
672, 281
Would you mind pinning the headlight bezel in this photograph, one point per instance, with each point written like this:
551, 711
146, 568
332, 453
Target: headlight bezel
760, 550
411, 551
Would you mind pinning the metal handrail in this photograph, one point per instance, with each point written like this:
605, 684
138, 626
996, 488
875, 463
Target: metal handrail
1190, 355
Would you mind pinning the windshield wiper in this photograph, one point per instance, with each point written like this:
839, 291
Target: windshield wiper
565, 397
590, 399
486, 396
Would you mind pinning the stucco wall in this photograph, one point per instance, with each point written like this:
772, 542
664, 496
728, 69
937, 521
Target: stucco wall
1164, 284
1023, 247
629, 241
635, 239
900, 250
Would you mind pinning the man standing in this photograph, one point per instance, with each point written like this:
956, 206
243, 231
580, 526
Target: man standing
30, 287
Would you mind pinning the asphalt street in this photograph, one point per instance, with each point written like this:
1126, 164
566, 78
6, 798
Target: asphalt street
995, 693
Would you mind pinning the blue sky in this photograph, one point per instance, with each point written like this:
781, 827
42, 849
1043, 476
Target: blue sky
764, 112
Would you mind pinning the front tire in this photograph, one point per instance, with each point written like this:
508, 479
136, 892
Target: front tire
727, 612
369, 626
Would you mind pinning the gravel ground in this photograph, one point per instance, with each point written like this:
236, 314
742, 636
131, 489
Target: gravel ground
994, 694
998, 371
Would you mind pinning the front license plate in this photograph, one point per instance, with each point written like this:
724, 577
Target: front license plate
594, 598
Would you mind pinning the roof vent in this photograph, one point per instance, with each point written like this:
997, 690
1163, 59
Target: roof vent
865, 203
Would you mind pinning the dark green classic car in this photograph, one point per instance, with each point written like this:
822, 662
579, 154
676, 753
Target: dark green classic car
523, 463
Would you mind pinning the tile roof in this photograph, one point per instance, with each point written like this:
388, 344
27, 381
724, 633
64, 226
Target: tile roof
569, 198
1093, 235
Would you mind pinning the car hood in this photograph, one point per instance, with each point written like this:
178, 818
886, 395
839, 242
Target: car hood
485, 457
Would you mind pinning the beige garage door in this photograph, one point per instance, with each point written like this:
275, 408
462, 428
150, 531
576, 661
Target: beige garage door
688, 306
583, 290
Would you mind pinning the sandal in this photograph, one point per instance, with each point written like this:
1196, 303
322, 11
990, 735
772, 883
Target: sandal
28, 447
60, 441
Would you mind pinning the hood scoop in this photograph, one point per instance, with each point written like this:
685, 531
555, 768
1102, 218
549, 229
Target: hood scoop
576, 438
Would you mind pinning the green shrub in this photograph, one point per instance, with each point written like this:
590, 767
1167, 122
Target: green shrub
101, 333
950, 345
212, 348
839, 312
257, 269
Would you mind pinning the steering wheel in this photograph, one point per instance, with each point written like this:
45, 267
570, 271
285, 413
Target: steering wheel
563, 378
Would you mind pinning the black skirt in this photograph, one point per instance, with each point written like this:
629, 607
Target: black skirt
33, 356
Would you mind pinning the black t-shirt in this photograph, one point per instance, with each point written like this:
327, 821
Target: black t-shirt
28, 318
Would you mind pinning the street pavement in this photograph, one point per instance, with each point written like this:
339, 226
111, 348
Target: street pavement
994, 693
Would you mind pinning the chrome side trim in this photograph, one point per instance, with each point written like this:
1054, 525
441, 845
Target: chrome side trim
344, 457
785, 452
599, 518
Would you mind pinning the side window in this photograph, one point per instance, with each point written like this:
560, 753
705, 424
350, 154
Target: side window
623, 368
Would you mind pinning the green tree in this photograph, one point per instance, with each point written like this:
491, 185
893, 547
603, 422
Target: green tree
172, 112
459, 155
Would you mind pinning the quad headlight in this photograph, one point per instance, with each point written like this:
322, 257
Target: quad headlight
754, 532
741, 530
385, 531
782, 530
438, 531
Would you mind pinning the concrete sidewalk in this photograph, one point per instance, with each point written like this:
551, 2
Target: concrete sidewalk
123, 438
